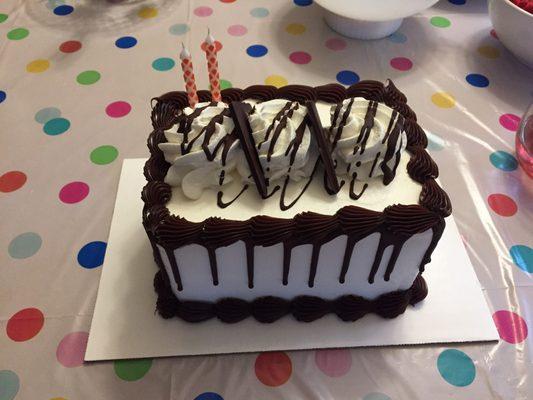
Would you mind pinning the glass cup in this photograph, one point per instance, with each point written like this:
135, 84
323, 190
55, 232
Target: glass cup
524, 142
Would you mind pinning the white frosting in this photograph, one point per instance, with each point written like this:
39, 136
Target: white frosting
348, 159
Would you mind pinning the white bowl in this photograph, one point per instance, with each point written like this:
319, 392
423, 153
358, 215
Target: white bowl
369, 19
514, 27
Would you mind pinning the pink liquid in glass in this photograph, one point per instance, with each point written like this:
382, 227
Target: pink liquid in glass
524, 142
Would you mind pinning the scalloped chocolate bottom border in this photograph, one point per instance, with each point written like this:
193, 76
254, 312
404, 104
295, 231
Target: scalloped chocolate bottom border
268, 309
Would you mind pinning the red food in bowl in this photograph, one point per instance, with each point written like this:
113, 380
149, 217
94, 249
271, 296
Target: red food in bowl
526, 5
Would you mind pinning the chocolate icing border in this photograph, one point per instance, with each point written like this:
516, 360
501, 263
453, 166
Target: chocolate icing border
171, 231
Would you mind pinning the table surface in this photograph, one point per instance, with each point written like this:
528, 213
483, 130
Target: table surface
75, 84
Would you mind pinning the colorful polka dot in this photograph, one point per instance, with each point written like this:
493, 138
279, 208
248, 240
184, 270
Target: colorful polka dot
24, 245
259, 12
457, 2
456, 367
511, 327
494, 34
63, 10
46, 114
523, 257
88, 77
401, 63
227, 1
70, 46
502, 204
435, 143
103, 155
347, 77
73, 192
71, 350
511, 122
376, 396
203, 11
163, 64
503, 160
273, 368
125, 42
3, 18
179, 29
118, 109
132, 370
237, 30
295, 29
3, 96
300, 57
218, 46
256, 50
489, 51
25, 324
92, 254
335, 44
334, 363
303, 3
477, 80
18, 34
147, 12
443, 100
209, 396
440, 22
276, 80
56, 126
9, 385
397, 37
11, 181
225, 84
38, 66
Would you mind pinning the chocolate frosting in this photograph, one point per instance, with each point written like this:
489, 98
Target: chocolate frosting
435, 198
268, 231
370, 90
421, 166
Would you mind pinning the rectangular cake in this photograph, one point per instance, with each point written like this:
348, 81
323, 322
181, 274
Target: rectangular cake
298, 200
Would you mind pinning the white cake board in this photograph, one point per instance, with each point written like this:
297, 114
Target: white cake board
125, 325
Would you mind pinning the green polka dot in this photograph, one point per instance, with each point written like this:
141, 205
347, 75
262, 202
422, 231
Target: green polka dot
3, 17
224, 84
88, 77
104, 154
440, 22
18, 33
132, 370
56, 126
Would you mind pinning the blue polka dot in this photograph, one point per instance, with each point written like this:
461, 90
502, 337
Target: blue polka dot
303, 3
46, 114
179, 29
56, 126
63, 10
457, 2
347, 77
125, 42
435, 143
24, 245
256, 50
259, 12
522, 257
503, 160
3, 96
9, 385
397, 37
92, 254
477, 80
163, 64
208, 396
456, 367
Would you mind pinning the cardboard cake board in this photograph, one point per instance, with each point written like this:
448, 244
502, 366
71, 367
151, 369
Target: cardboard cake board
125, 324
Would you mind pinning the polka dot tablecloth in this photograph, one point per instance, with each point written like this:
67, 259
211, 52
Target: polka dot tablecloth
75, 82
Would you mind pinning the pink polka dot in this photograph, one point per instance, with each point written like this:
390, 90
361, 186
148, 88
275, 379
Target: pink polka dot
237, 30
401, 63
494, 34
73, 192
510, 122
334, 362
118, 109
71, 349
203, 11
300, 57
511, 327
502, 204
336, 44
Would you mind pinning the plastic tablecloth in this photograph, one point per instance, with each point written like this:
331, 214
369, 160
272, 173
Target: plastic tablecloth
75, 84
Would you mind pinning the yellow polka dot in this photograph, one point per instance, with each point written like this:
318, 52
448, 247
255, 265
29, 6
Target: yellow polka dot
276, 80
295, 29
489, 51
37, 66
147, 12
443, 100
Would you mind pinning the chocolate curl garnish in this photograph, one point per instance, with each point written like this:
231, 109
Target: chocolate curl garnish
244, 132
332, 184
